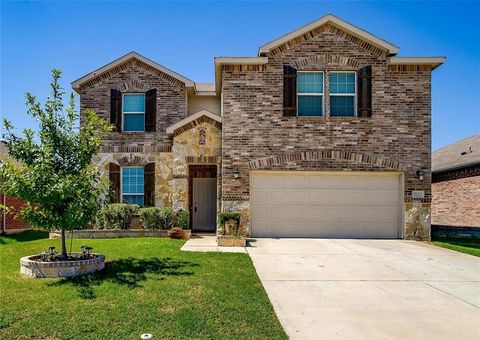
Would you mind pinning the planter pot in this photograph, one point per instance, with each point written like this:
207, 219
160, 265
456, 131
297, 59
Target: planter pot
32, 266
179, 234
231, 241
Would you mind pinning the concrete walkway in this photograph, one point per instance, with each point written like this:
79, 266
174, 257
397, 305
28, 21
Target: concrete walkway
208, 243
369, 289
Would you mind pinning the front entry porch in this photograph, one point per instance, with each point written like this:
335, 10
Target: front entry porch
202, 184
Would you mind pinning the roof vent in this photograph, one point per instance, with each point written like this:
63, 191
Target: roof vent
466, 152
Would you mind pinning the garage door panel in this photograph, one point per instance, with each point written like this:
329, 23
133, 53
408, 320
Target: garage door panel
324, 196
292, 204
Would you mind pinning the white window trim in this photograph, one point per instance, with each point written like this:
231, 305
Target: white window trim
129, 193
313, 94
354, 94
128, 113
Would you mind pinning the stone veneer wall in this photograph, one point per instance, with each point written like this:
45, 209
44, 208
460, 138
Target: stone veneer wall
397, 133
164, 196
200, 144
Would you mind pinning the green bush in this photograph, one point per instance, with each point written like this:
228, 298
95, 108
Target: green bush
157, 218
225, 230
183, 219
166, 218
223, 217
117, 216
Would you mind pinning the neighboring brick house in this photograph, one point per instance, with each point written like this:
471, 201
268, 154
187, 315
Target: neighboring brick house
456, 184
10, 221
326, 133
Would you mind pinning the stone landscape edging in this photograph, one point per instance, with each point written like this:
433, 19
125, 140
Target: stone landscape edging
115, 233
42, 269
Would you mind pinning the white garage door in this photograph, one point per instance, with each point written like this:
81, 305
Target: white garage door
325, 204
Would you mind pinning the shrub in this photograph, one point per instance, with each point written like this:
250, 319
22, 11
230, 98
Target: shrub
117, 216
166, 218
223, 217
157, 218
236, 230
183, 219
151, 218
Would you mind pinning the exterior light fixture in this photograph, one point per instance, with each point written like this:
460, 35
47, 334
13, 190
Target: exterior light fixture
51, 251
420, 174
236, 173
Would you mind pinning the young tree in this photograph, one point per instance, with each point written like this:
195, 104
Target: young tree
52, 169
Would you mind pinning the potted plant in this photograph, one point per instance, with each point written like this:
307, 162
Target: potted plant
182, 225
232, 232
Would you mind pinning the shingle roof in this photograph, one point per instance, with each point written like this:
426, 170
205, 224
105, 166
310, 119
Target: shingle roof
457, 155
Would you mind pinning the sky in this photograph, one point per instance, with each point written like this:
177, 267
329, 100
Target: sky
81, 36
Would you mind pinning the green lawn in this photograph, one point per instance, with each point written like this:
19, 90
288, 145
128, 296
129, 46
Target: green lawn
147, 286
462, 244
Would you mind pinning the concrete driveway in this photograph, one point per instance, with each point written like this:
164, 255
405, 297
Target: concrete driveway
369, 289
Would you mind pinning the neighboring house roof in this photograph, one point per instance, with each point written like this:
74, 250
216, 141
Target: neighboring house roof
458, 155
335, 21
171, 129
98, 72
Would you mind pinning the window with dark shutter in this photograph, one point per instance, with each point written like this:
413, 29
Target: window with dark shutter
289, 91
149, 185
364, 85
151, 110
116, 109
114, 177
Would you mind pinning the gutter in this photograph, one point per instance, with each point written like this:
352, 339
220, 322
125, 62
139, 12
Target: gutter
456, 167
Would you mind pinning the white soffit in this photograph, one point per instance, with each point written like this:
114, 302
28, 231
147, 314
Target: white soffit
433, 61
330, 18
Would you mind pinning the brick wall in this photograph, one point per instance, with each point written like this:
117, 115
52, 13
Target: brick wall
254, 126
10, 219
456, 202
134, 76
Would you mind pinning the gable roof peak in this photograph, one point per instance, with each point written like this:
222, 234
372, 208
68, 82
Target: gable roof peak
335, 21
130, 55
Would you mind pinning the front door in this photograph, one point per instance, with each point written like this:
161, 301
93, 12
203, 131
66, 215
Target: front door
204, 204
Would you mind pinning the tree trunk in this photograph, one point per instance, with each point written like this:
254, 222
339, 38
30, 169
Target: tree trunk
64, 247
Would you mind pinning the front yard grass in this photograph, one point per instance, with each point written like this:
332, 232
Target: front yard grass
147, 286
465, 245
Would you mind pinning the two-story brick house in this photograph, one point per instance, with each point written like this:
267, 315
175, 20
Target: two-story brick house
326, 133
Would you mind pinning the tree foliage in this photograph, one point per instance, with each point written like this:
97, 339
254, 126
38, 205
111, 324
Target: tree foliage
52, 169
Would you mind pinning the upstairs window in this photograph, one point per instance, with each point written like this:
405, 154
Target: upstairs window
134, 112
310, 94
133, 185
342, 94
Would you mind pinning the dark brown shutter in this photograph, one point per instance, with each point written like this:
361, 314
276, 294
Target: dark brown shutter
364, 84
116, 109
149, 185
151, 110
114, 176
289, 91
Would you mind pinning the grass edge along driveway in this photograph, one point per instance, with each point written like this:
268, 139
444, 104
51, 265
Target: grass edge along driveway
148, 286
